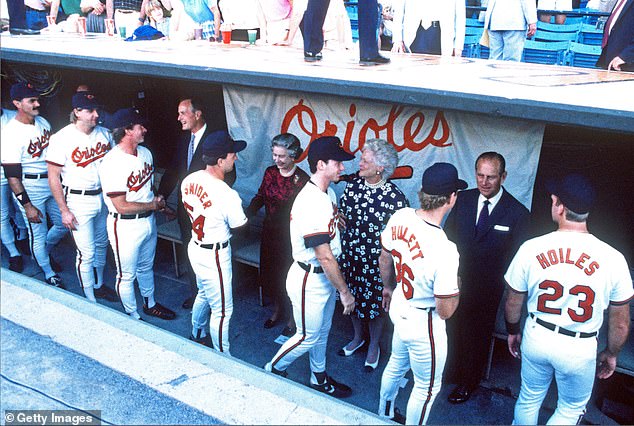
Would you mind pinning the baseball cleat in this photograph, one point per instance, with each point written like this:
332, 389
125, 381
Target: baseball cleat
199, 340
55, 281
105, 292
269, 367
332, 388
16, 264
159, 311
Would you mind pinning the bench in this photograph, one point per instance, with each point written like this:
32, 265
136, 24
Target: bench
245, 245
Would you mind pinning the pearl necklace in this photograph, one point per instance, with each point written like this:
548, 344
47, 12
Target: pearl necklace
375, 185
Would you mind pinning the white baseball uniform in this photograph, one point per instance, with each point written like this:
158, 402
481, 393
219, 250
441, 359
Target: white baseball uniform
314, 222
426, 265
8, 206
571, 278
80, 155
132, 237
214, 208
26, 144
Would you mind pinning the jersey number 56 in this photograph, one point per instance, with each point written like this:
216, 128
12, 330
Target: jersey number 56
404, 275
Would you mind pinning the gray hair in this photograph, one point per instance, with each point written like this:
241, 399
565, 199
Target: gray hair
290, 142
384, 155
430, 202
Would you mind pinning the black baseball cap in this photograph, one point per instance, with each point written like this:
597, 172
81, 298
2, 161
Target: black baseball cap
125, 117
22, 90
327, 148
85, 100
441, 179
219, 143
574, 191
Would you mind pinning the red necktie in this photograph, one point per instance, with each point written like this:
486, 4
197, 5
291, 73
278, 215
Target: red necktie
608, 24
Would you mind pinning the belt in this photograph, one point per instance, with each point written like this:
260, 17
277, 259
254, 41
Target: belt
428, 309
126, 11
35, 175
34, 10
562, 330
83, 191
435, 24
307, 267
213, 246
131, 216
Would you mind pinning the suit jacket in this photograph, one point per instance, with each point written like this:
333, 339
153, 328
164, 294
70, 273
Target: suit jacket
621, 40
510, 15
485, 257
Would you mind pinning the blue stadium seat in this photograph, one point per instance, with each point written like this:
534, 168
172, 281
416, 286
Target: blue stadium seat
590, 34
541, 35
540, 52
471, 46
557, 28
582, 55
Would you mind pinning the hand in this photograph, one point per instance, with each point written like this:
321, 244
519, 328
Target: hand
387, 298
615, 64
347, 300
33, 214
457, 52
514, 342
531, 30
98, 8
606, 363
399, 47
69, 221
169, 213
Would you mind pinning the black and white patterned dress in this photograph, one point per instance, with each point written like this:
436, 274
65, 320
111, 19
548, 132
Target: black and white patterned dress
367, 210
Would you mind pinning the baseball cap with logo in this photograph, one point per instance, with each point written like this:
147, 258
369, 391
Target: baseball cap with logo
327, 148
441, 179
219, 143
84, 100
125, 117
574, 191
23, 90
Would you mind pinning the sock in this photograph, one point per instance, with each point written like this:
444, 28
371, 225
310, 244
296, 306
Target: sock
319, 377
98, 271
149, 301
90, 294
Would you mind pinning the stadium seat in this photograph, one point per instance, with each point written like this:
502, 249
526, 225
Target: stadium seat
541, 35
582, 55
471, 46
473, 22
540, 52
590, 34
557, 28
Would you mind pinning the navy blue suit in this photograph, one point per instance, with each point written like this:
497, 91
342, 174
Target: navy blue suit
368, 12
484, 259
312, 25
621, 40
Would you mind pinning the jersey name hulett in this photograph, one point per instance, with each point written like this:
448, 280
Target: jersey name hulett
86, 156
136, 180
37, 146
402, 233
563, 256
198, 191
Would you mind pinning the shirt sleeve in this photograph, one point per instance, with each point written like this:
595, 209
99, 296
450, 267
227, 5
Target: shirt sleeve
10, 148
113, 179
446, 277
622, 291
235, 214
515, 275
55, 152
386, 235
318, 222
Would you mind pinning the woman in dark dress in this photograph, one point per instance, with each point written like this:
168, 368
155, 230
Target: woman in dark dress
367, 203
280, 185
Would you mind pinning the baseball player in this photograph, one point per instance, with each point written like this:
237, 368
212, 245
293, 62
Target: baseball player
570, 278
127, 176
14, 235
214, 209
426, 293
25, 142
73, 160
314, 276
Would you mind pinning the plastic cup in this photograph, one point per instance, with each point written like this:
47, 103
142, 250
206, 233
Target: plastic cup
110, 27
252, 36
122, 32
198, 33
226, 36
81, 25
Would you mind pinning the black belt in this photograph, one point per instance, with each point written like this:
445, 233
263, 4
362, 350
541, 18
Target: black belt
34, 10
428, 309
435, 24
126, 11
84, 191
562, 330
35, 175
132, 216
306, 267
214, 246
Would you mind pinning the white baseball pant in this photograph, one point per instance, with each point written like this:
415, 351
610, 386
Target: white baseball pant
91, 239
133, 244
41, 238
571, 360
8, 210
214, 302
313, 299
419, 342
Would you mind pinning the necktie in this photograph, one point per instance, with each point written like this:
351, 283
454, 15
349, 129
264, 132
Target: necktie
190, 151
483, 219
608, 24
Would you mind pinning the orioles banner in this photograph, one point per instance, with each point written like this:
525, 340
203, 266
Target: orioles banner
421, 137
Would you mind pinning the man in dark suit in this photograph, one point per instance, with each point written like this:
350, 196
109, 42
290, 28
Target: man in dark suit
488, 225
188, 159
618, 38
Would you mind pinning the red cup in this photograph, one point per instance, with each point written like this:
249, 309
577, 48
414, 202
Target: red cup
226, 37
110, 27
81, 25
